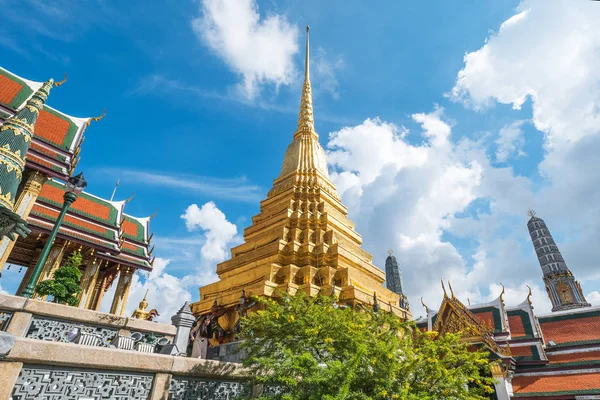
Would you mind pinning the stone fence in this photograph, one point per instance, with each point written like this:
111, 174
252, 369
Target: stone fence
43, 355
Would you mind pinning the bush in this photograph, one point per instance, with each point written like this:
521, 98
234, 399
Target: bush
64, 287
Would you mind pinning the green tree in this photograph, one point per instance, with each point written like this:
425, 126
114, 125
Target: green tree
64, 286
312, 349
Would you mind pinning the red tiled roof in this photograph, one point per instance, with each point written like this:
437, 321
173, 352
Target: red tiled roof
83, 204
39, 148
38, 160
571, 330
556, 383
516, 326
487, 318
130, 228
129, 246
521, 351
52, 214
574, 357
51, 127
8, 89
81, 236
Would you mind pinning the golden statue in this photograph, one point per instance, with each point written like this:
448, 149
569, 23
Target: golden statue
141, 312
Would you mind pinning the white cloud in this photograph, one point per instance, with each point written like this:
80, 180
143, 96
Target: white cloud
324, 70
238, 189
510, 142
548, 54
593, 298
403, 196
218, 231
261, 50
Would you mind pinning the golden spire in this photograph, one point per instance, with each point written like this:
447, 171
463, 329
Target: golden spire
306, 121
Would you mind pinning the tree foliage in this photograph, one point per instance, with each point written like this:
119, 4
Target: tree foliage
312, 349
64, 286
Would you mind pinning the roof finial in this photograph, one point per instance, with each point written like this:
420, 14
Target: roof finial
531, 213
426, 308
306, 122
96, 119
529, 295
115, 190
502, 294
443, 287
390, 252
307, 57
451, 291
154, 215
57, 84
127, 200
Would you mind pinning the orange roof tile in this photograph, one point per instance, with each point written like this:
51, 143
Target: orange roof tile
571, 330
51, 127
52, 214
129, 246
574, 357
38, 160
82, 204
521, 351
130, 228
39, 148
516, 326
556, 383
487, 318
8, 89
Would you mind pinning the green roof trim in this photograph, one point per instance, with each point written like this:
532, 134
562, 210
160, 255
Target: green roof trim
561, 365
525, 320
141, 231
581, 315
71, 132
112, 218
107, 234
495, 314
139, 251
23, 94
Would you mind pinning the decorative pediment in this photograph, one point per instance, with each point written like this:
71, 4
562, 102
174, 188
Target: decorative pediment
454, 317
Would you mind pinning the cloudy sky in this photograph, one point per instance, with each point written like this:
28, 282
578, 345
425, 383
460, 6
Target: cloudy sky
443, 122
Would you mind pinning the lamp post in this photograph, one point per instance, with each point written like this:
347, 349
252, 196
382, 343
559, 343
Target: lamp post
75, 186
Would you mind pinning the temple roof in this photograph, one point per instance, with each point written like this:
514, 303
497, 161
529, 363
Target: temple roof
584, 382
57, 136
571, 328
96, 222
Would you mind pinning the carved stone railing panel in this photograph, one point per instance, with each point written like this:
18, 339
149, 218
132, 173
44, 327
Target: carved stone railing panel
5, 317
48, 383
42, 328
185, 388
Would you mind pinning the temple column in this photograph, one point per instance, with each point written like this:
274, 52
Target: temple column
23, 205
29, 272
122, 292
88, 283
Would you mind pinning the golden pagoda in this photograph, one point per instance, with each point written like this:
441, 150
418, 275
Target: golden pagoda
302, 239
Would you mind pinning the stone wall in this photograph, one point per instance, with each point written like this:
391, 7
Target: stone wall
36, 361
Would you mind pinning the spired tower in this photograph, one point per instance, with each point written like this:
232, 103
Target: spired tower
564, 291
302, 239
393, 279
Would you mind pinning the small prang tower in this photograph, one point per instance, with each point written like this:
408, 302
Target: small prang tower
564, 291
393, 278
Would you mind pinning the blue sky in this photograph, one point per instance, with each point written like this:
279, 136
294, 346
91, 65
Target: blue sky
202, 100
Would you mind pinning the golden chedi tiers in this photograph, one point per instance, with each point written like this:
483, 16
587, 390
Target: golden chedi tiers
302, 239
